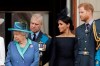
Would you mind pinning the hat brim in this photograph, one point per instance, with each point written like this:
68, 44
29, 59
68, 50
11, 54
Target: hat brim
12, 29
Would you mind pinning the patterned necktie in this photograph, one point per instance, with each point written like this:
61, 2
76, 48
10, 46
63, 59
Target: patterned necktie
34, 37
87, 26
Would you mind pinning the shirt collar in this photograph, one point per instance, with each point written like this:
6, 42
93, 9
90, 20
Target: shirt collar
90, 22
29, 41
35, 33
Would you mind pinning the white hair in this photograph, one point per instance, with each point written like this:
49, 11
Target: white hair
25, 34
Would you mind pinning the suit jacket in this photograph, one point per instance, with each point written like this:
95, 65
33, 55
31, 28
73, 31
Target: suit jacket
14, 58
85, 41
46, 54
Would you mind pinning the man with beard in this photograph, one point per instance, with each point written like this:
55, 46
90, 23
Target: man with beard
85, 48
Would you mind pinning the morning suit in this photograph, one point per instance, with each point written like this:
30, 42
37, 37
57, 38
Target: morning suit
30, 57
85, 47
46, 40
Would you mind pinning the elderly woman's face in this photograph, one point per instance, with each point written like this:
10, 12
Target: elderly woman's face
18, 36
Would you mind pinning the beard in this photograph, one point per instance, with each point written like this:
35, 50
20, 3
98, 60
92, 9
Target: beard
84, 19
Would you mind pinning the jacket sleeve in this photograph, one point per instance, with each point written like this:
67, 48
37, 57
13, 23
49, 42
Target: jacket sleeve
2, 51
8, 58
36, 56
76, 48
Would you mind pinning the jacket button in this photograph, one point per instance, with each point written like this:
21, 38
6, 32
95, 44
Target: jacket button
78, 38
85, 41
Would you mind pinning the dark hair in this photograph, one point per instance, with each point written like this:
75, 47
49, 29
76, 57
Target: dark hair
67, 20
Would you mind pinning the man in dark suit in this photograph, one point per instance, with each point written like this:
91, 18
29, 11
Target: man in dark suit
38, 36
85, 47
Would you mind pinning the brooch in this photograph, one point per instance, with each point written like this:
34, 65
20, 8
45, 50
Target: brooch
31, 46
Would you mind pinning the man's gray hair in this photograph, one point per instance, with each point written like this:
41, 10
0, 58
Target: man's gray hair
37, 16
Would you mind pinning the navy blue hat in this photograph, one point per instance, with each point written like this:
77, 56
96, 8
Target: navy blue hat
66, 19
20, 26
63, 12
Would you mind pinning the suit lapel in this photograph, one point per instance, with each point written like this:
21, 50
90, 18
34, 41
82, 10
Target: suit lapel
83, 29
18, 48
39, 36
28, 44
25, 49
29, 36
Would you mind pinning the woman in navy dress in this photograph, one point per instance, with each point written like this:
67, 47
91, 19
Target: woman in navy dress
63, 44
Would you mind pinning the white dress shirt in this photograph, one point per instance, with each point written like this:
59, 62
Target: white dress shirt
2, 51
